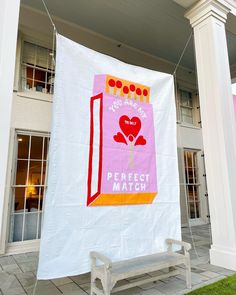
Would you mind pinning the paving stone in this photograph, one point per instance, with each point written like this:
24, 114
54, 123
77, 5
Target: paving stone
61, 281
6, 260
10, 285
131, 291
172, 287
15, 291
20, 257
152, 291
210, 274
72, 289
196, 278
8, 281
85, 287
81, 279
33, 254
152, 285
28, 266
43, 289
27, 279
12, 268
226, 272
138, 278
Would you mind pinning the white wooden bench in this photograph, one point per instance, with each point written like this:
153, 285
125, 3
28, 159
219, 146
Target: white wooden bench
110, 273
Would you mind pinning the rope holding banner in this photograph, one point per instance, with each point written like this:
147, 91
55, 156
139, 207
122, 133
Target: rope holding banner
181, 145
35, 285
49, 15
183, 52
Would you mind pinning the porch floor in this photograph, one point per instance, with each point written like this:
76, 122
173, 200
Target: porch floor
17, 273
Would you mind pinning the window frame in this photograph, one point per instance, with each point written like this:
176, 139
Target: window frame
196, 118
13, 185
19, 89
196, 184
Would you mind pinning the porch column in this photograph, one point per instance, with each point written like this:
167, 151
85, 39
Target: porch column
9, 14
208, 19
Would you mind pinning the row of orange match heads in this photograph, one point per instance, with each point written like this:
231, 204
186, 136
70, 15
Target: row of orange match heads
119, 87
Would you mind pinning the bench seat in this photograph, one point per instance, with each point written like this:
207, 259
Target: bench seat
109, 273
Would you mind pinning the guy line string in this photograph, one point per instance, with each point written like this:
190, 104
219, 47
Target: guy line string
52, 77
180, 142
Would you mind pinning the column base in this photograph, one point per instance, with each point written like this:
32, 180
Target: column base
223, 257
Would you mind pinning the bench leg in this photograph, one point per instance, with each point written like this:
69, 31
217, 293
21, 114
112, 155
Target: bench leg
188, 273
93, 284
106, 288
106, 283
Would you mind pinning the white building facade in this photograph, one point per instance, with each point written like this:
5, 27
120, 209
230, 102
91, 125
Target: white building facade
205, 120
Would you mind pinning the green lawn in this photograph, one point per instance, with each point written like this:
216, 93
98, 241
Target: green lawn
226, 286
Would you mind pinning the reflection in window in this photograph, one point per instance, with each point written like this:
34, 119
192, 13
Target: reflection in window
29, 187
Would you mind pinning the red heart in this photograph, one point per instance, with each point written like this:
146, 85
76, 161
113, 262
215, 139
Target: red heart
130, 126
140, 140
119, 137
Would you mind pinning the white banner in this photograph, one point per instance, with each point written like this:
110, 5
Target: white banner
113, 183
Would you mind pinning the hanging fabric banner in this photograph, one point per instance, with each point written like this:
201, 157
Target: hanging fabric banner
234, 97
113, 183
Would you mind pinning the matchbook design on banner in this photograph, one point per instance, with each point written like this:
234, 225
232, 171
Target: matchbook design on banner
113, 183
128, 175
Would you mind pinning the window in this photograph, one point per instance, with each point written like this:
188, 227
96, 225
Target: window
28, 187
192, 183
37, 68
186, 107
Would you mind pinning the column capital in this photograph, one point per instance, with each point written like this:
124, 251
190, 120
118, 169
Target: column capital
206, 8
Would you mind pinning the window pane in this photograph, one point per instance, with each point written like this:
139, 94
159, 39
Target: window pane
34, 175
190, 193
19, 199
50, 82
41, 197
42, 57
40, 75
21, 172
29, 73
44, 172
29, 53
198, 210
192, 210
186, 112
196, 194
32, 201
46, 145
188, 120
189, 159
18, 225
50, 61
36, 147
23, 146
30, 230
39, 225
186, 98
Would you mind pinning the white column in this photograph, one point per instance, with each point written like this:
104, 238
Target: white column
9, 14
208, 19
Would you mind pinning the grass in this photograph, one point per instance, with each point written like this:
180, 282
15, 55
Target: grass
226, 286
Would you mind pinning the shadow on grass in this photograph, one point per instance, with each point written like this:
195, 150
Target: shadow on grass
226, 286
